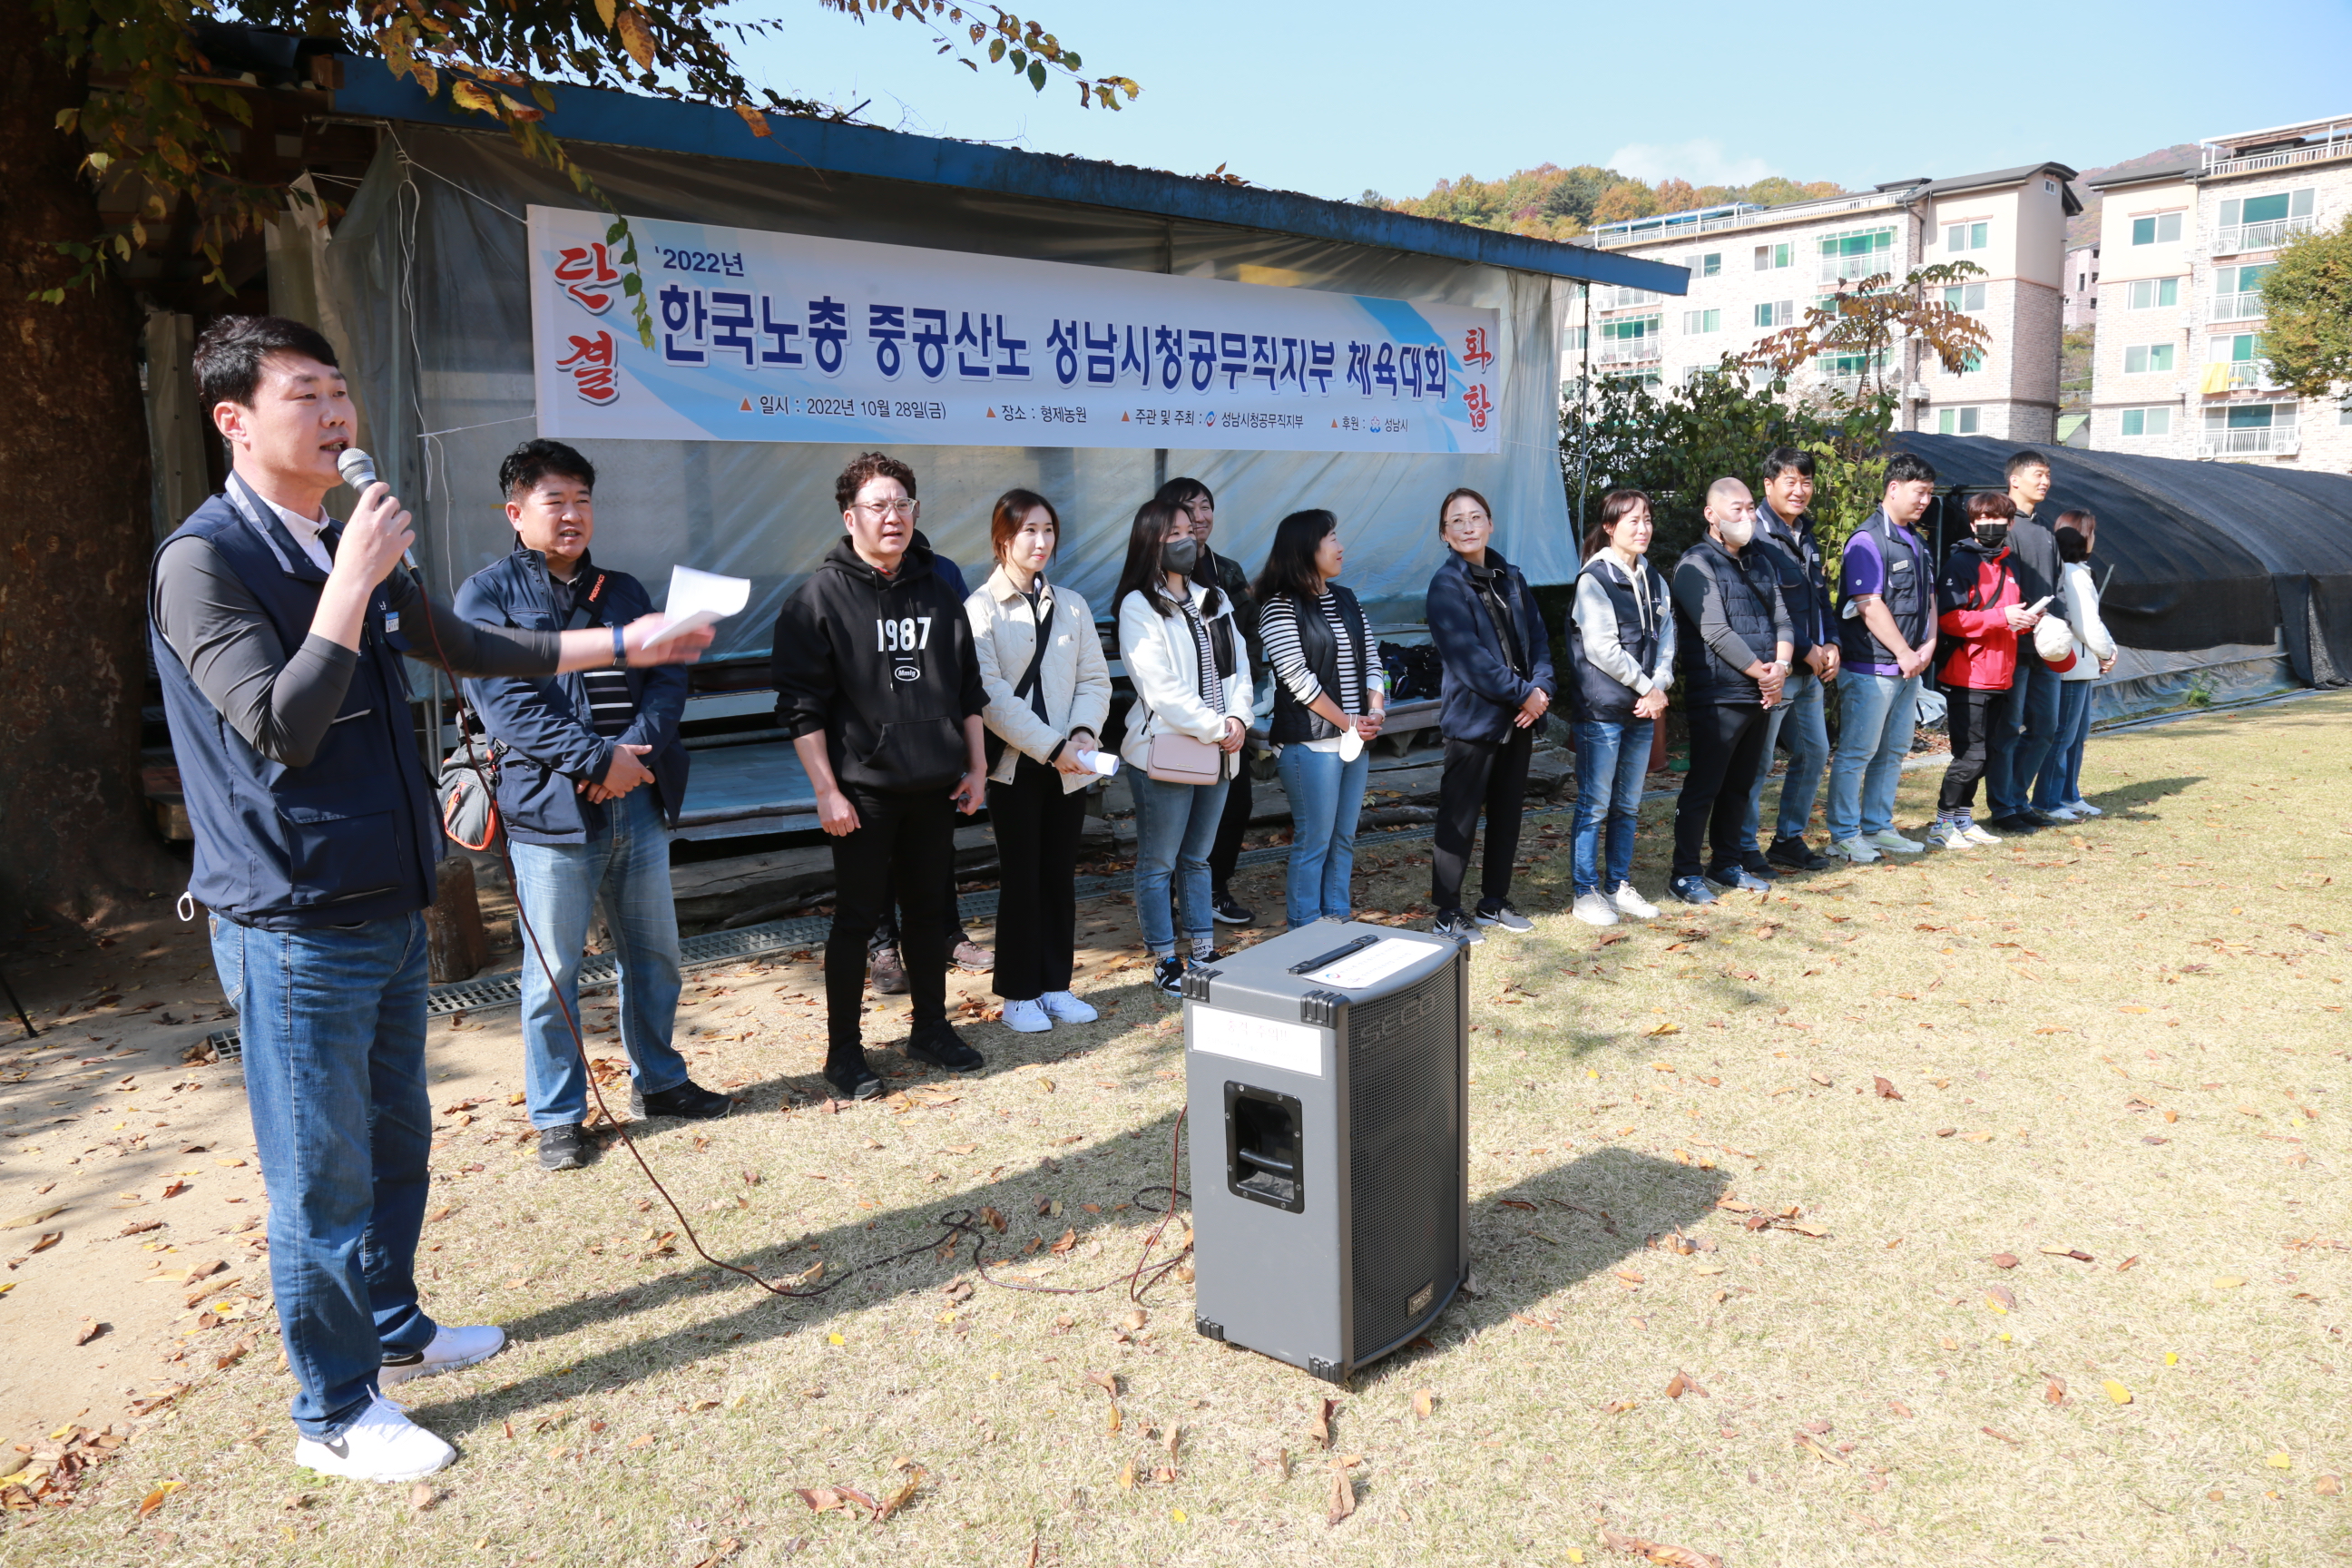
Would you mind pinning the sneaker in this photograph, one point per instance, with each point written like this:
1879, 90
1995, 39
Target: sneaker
1455, 926
1950, 835
1796, 855
1757, 867
1168, 975
564, 1148
2058, 813
382, 1445
1064, 1007
451, 1348
688, 1101
1594, 910
1855, 851
856, 1081
1691, 889
942, 1046
1737, 879
2016, 822
1894, 843
2039, 819
1977, 835
971, 956
1631, 905
1503, 915
2084, 809
1026, 1018
890, 975
1231, 913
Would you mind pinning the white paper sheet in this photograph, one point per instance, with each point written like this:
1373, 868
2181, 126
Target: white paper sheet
698, 599
1371, 965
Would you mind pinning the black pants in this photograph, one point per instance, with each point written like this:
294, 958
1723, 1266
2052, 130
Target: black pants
1227, 849
1726, 747
1970, 717
1492, 776
901, 840
1037, 828
886, 933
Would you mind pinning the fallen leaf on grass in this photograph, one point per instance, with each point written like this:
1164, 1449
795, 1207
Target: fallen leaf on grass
2117, 1392
2055, 1390
2002, 1296
1658, 1552
1621, 1407
2330, 1485
174, 1189
1320, 1430
156, 1498
2003, 1260
1069, 1239
1343, 1499
2227, 1283
1424, 1401
1899, 1408
1109, 1384
1883, 1090
36, 1218
1127, 1476
1683, 1383
422, 1496
1657, 1029
901, 1497
89, 1330
1823, 1078
1998, 1433
2078, 1256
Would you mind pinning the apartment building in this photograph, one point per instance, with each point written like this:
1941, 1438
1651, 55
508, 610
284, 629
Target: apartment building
2179, 371
2082, 288
1754, 270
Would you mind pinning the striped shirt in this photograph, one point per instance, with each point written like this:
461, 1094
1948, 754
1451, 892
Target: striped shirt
1204, 660
1279, 626
610, 710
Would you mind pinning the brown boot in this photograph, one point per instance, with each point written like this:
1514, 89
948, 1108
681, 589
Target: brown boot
890, 975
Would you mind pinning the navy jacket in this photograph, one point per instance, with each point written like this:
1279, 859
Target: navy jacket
349, 835
1804, 578
1481, 692
552, 746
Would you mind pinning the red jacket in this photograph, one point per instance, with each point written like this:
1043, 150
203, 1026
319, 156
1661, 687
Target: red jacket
1977, 586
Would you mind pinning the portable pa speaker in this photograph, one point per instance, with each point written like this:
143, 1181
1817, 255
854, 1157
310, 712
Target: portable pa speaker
1327, 1078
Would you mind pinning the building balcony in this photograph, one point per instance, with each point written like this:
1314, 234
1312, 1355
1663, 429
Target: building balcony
1628, 351
2240, 376
2267, 235
2245, 306
1852, 268
1611, 298
2272, 441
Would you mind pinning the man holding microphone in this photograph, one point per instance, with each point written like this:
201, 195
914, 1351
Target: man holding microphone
278, 635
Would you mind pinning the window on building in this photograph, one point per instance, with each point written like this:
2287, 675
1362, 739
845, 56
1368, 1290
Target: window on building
1966, 236
1971, 359
1965, 297
2250, 417
2344, 411
1629, 328
2147, 422
2141, 360
1769, 257
2238, 348
1957, 421
1704, 264
1856, 253
1697, 321
2157, 228
2148, 293
2271, 209
1572, 340
1775, 313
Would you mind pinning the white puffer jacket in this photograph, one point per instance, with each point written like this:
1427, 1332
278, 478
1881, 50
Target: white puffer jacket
1163, 666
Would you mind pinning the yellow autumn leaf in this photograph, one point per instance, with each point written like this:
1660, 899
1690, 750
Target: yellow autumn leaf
2117, 1392
2280, 1462
1177, 1514
2229, 1282
636, 37
1576, 1555
835, 1340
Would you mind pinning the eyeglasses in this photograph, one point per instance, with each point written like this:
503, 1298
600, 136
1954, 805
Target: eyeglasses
904, 507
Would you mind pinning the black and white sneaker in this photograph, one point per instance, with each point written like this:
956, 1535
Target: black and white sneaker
1691, 889
1500, 913
855, 1082
1233, 913
942, 1046
1168, 975
562, 1148
1797, 856
1737, 879
1455, 926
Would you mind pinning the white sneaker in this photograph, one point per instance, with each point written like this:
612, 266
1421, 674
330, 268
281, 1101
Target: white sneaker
2083, 808
452, 1348
1064, 1007
1594, 910
1857, 850
2061, 814
1977, 835
1894, 842
1631, 905
1026, 1018
382, 1445
1950, 835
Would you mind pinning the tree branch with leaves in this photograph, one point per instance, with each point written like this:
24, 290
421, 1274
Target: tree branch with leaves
2308, 312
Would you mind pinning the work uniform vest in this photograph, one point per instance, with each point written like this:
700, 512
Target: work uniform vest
1910, 596
1748, 583
1642, 608
1292, 720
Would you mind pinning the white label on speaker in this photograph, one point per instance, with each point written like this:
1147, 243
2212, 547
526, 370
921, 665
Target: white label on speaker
1371, 965
1293, 1047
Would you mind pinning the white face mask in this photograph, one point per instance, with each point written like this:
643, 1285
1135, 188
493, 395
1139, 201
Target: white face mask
1736, 531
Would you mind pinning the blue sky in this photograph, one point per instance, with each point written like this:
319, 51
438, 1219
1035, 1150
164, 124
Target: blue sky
1333, 98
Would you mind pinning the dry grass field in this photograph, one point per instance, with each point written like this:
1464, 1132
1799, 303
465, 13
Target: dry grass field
1990, 1208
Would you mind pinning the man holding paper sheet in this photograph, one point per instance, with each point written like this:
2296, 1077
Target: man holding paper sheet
590, 773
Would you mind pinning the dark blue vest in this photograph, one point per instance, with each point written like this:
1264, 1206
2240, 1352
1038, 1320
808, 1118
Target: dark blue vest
1749, 583
1909, 595
349, 837
1601, 696
1292, 720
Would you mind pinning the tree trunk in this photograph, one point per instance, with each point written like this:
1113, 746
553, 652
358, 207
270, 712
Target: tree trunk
74, 526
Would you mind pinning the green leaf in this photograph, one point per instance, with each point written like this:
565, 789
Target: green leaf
1020, 60
995, 50
613, 235
1037, 75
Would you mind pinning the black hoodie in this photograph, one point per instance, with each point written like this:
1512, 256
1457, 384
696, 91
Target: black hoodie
884, 666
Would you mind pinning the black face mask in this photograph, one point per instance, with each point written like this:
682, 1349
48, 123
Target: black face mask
1992, 535
1179, 556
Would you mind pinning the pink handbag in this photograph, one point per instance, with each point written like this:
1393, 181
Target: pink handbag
1182, 760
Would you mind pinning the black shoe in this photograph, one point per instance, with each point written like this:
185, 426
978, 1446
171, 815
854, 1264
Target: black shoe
1168, 975
2039, 819
1455, 926
688, 1101
942, 1046
1756, 865
2016, 822
855, 1082
564, 1148
1231, 913
1797, 856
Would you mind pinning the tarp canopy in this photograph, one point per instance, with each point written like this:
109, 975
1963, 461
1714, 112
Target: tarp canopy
425, 282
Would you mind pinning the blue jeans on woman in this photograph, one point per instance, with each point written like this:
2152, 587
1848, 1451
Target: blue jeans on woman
2062, 771
1326, 797
332, 1025
624, 867
1175, 827
1612, 761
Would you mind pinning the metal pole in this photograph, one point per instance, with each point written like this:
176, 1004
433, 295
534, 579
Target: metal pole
22, 1016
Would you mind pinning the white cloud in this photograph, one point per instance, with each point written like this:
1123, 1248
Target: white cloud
1702, 160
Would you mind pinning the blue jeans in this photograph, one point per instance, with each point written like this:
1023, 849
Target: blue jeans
1326, 795
2061, 779
1875, 716
625, 867
2023, 739
1175, 826
1612, 761
1799, 713
333, 1029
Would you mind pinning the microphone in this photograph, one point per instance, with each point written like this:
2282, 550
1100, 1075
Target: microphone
359, 473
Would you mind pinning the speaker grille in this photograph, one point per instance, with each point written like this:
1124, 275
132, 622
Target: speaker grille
1404, 1153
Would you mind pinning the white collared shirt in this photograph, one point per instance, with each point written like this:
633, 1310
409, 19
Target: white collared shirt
306, 532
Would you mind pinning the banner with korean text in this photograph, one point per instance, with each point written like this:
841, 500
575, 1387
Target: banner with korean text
763, 336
